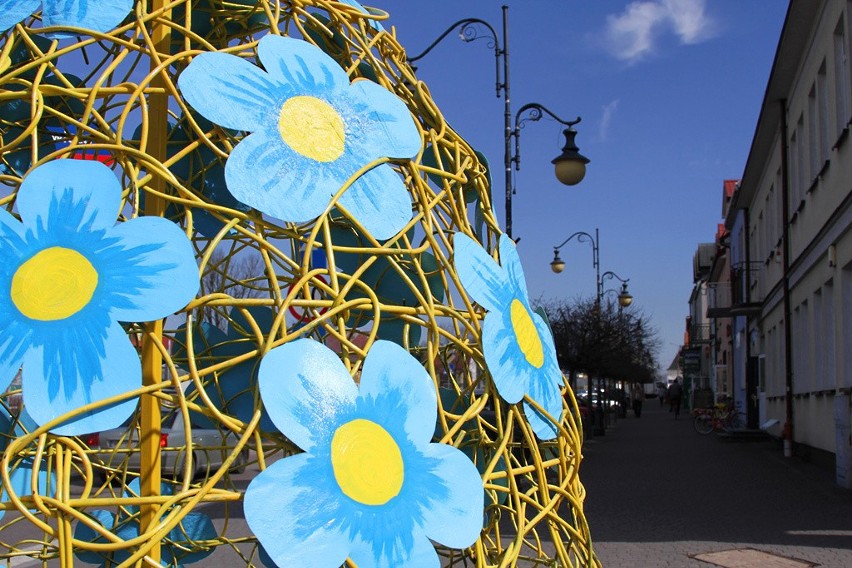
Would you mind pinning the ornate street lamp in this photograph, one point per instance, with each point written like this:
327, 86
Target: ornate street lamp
570, 165
557, 265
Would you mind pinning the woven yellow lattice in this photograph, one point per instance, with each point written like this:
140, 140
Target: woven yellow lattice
264, 283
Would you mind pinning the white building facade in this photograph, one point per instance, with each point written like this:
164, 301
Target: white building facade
790, 226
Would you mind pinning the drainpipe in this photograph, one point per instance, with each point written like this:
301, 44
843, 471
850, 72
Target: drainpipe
785, 264
747, 296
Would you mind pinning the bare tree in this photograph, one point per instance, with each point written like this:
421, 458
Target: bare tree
239, 276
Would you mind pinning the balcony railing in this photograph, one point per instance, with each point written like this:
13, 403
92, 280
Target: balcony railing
718, 299
746, 294
700, 334
742, 296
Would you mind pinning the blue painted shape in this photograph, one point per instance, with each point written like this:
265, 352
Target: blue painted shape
234, 391
496, 287
264, 171
95, 15
296, 507
145, 268
178, 547
21, 478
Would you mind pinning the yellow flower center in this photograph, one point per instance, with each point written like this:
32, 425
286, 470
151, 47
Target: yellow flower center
526, 334
54, 284
312, 128
367, 462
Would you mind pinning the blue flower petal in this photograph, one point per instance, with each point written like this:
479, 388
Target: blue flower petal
511, 263
379, 201
282, 511
158, 273
273, 179
85, 373
301, 66
305, 388
544, 388
231, 92
391, 130
504, 358
483, 279
390, 371
100, 15
455, 520
419, 553
83, 183
14, 11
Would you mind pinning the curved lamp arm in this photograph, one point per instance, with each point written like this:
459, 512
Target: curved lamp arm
535, 112
581, 236
468, 31
558, 265
610, 274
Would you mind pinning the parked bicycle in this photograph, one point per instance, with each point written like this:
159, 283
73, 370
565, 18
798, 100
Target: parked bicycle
719, 418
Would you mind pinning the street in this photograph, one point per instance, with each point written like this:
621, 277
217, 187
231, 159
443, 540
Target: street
659, 494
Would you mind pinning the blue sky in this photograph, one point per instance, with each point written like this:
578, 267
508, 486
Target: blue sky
669, 92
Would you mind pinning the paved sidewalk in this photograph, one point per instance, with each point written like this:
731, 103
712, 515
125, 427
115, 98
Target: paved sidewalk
658, 494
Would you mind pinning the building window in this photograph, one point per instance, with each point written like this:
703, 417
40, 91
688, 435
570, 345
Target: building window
800, 166
802, 377
842, 90
822, 117
824, 378
846, 323
813, 134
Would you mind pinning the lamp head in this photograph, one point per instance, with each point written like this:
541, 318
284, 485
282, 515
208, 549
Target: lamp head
624, 297
558, 265
570, 166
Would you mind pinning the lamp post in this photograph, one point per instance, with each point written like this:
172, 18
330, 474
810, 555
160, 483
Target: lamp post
570, 165
624, 297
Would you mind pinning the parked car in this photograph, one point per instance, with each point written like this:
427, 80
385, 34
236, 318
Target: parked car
119, 448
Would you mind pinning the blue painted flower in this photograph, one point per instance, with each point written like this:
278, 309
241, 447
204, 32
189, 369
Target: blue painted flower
96, 15
370, 485
311, 131
181, 545
516, 342
69, 276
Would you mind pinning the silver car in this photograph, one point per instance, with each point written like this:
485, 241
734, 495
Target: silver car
117, 450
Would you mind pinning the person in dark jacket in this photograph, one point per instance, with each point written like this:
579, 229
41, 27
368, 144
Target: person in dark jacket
675, 394
638, 395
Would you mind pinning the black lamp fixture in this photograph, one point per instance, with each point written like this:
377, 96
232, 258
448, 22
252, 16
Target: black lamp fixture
624, 297
570, 165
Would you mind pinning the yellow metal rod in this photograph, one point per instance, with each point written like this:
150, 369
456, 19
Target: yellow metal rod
152, 359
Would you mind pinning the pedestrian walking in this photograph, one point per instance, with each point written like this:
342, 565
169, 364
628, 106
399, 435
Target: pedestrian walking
675, 395
661, 393
638, 398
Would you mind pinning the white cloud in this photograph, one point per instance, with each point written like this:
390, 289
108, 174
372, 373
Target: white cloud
632, 35
608, 112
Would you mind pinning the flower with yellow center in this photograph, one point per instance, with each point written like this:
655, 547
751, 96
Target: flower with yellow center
71, 275
517, 343
370, 486
88, 14
311, 131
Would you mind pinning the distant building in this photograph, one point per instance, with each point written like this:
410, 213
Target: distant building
790, 244
696, 354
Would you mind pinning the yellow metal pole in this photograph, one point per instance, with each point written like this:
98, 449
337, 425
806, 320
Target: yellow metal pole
152, 360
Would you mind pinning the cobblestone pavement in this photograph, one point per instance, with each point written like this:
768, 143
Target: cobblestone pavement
658, 494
